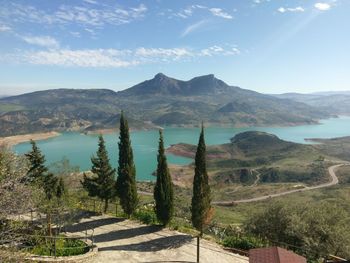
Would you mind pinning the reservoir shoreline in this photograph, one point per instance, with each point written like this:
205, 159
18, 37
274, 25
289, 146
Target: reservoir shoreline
17, 139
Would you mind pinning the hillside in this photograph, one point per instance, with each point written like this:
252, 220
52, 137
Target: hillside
338, 147
159, 101
276, 160
332, 102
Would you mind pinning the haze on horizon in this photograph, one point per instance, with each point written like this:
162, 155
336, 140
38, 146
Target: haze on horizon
264, 45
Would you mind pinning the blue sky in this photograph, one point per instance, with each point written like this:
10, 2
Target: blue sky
271, 46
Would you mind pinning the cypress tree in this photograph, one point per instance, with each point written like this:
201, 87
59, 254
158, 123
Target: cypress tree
200, 207
37, 170
126, 181
102, 184
163, 190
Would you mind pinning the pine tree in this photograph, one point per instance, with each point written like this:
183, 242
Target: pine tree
37, 170
126, 181
163, 190
102, 184
200, 207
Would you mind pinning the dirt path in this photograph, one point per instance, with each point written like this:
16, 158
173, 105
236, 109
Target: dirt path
257, 178
334, 180
120, 240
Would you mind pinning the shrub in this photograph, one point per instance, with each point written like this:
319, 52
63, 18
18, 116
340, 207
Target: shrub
243, 242
145, 216
64, 247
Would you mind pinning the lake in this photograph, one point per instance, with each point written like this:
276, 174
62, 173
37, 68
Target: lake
78, 148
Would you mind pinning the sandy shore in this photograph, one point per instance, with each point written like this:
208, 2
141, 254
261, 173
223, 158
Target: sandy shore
13, 140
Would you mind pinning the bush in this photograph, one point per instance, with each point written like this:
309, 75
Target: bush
244, 242
64, 247
145, 216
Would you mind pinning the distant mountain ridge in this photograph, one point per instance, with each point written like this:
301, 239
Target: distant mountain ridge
333, 102
159, 101
163, 85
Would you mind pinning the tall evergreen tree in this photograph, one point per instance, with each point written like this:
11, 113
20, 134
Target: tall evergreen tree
37, 169
200, 207
163, 190
102, 184
52, 186
126, 181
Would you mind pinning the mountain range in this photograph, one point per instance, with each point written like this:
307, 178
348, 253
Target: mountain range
336, 102
161, 101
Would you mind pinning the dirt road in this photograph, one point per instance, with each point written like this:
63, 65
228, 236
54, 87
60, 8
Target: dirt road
333, 181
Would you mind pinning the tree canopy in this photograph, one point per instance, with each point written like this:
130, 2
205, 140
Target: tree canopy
126, 181
200, 207
101, 184
163, 190
315, 230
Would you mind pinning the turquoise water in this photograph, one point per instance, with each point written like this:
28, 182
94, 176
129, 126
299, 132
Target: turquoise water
79, 148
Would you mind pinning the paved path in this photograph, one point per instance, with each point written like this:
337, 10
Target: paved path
333, 181
120, 240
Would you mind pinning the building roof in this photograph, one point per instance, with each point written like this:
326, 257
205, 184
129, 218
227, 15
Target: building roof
274, 255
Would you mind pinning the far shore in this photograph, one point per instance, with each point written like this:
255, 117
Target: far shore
17, 139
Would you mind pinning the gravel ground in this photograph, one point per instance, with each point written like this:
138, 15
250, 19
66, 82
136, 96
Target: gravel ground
120, 240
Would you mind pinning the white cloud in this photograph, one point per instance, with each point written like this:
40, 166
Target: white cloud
163, 53
193, 27
215, 11
323, 6
79, 58
218, 50
97, 15
219, 12
116, 58
44, 41
260, 1
4, 28
289, 9
75, 34
90, 2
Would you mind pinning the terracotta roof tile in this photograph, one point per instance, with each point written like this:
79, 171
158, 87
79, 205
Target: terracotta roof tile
274, 255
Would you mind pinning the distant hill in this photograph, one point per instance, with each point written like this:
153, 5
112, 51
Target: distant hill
243, 145
274, 159
333, 102
158, 101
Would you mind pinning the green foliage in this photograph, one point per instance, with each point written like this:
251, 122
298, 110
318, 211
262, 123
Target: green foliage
145, 216
313, 230
244, 242
270, 175
64, 247
53, 186
246, 176
200, 206
163, 190
313, 172
126, 181
102, 184
37, 169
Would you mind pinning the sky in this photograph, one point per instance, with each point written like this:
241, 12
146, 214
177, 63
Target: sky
270, 46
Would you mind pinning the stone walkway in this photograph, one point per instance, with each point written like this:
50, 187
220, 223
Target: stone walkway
120, 240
